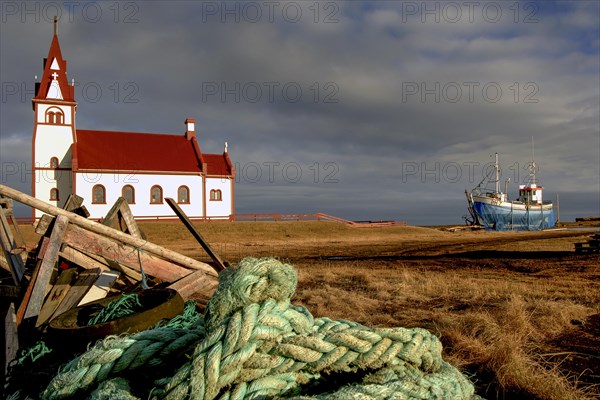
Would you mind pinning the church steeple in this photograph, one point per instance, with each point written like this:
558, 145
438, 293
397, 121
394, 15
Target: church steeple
54, 85
54, 130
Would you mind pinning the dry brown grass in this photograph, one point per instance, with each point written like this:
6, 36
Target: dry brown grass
504, 304
493, 324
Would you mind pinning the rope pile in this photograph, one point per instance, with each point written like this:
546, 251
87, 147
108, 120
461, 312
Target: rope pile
253, 343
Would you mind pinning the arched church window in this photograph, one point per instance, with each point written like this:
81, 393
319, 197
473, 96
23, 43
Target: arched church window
128, 193
54, 115
54, 162
215, 195
183, 195
156, 195
54, 194
98, 194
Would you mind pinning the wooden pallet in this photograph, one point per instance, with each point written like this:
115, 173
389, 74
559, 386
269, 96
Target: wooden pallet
591, 246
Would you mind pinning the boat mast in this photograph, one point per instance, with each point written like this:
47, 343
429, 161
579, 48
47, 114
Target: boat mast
532, 173
497, 175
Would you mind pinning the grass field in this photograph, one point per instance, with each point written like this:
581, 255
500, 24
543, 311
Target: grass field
518, 311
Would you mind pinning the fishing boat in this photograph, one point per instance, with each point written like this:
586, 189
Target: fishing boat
492, 209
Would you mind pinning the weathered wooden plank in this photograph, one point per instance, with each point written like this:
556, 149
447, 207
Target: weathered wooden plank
119, 215
42, 247
88, 260
45, 271
7, 242
11, 337
19, 239
101, 287
73, 201
195, 284
4, 264
127, 216
81, 259
43, 224
111, 219
196, 234
83, 283
128, 255
56, 295
95, 227
74, 204
28, 291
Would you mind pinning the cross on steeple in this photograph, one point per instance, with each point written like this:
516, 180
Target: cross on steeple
55, 23
55, 75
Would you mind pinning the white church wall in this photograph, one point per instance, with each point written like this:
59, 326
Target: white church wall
223, 207
53, 141
46, 180
114, 183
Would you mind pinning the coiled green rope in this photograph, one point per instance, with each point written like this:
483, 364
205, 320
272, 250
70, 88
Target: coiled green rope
258, 345
124, 306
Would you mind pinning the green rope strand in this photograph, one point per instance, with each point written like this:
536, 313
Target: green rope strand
125, 305
253, 343
33, 353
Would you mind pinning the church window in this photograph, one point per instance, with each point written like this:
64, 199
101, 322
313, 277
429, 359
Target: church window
156, 195
128, 194
55, 116
54, 162
54, 194
183, 195
98, 194
215, 195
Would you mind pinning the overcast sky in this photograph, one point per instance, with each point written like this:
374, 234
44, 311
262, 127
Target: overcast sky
364, 110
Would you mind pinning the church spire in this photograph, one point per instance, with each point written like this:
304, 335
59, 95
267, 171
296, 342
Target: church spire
54, 85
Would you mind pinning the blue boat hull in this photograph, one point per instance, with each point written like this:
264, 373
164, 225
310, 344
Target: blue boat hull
499, 218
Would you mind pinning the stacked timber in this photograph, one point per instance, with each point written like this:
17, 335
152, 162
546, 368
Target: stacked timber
78, 261
591, 246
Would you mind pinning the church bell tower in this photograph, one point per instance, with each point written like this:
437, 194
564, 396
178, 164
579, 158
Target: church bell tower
54, 131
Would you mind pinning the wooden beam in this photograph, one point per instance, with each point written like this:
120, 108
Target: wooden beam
43, 224
28, 291
89, 260
81, 259
73, 201
81, 286
4, 264
111, 218
195, 284
45, 271
121, 213
128, 255
106, 231
101, 287
7, 242
74, 204
127, 216
56, 295
18, 236
11, 337
196, 234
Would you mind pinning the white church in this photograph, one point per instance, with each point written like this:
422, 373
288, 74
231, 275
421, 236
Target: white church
102, 166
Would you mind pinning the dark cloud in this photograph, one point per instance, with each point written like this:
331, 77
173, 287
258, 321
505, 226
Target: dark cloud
381, 92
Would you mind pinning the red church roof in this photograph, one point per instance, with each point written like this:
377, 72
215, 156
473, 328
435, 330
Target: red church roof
55, 68
151, 152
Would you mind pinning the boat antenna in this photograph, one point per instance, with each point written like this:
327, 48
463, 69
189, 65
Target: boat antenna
497, 174
532, 162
